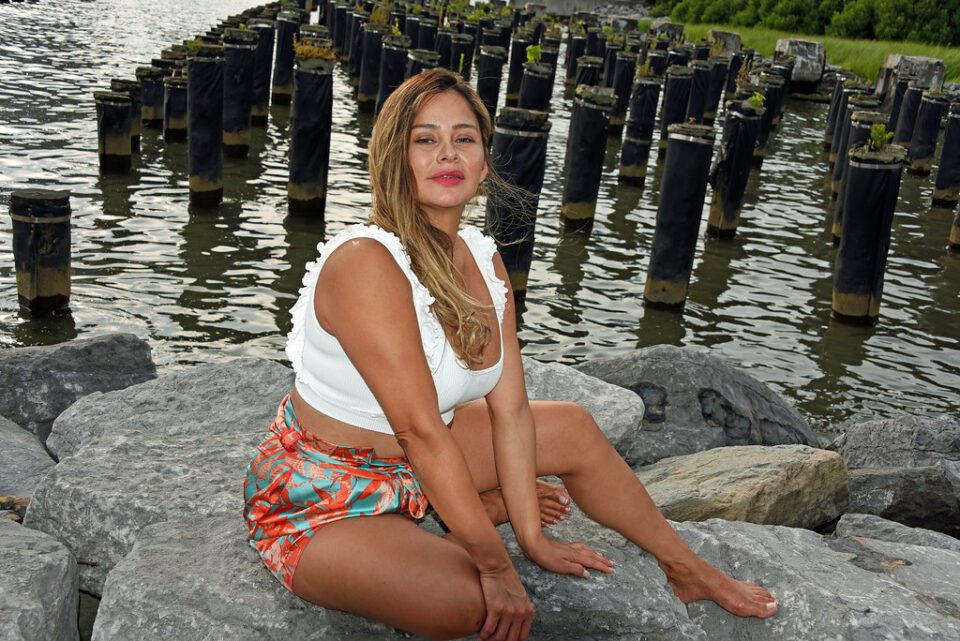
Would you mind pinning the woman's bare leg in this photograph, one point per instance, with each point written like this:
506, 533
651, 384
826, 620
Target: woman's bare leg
554, 503
572, 446
389, 569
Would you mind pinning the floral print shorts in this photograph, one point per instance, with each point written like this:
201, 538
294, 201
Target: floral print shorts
298, 483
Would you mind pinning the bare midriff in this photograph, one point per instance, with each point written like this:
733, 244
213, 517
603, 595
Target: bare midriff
340, 433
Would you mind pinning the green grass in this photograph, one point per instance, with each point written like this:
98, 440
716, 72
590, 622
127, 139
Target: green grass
863, 57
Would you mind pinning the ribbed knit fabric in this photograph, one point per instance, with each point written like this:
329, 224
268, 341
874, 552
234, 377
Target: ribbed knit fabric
327, 379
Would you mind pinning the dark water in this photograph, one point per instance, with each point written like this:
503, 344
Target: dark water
204, 287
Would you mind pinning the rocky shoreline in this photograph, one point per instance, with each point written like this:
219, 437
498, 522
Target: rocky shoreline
132, 487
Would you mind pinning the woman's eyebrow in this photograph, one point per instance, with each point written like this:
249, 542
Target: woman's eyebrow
428, 125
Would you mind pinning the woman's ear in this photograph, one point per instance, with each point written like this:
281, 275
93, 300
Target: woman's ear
484, 171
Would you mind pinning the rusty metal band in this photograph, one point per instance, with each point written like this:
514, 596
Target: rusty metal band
41, 220
685, 138
520, 133
637, 141
863, 165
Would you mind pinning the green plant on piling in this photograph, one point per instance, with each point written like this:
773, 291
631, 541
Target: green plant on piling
309, 51
606, 30
757, 99
879, 137
645, 70
395, 28
193, 46
380, 14
463, 57
533, 53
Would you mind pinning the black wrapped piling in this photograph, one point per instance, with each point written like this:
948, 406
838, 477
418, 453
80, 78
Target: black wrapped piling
520, 156
718, 80
489, 74
854, 103
733, 72
427, 35
680, 57
536, 87
635, 151
461, 54
518, 57
132, 89
842, 118
310, 137
411, 29
355, 61
262, 71
873, 184
588, 70
443, 46
41, 249
610, 63
676, 95
151, 96
899, 90
682, 191
369, 87
701, 51
205, 127
341, 12
832, 114
420, 59
699, 88
576, 48
858, 131
946, 190
550, 56
114, 115
239, 55
658, 62
583, 164
909, 109
288, 29
623, 73
393, 66
776, 93
923, 144
175, 108
732, 168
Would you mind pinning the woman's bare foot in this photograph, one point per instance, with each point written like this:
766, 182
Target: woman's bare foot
553, 499
707, 582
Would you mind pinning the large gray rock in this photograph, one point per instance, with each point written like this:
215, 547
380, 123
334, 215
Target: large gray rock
695, 401
190, 402
810, 59
38, 587
41, 382
729, 39
916, 496
617, 411
180, 458
874, 527
201, 581
904, 441
906, 469
792, 485
830, 588
23, 460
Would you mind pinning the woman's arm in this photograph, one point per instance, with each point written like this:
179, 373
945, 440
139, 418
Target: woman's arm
514, 448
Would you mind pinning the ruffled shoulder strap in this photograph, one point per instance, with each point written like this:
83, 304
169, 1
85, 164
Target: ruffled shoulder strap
483, 248
430, 330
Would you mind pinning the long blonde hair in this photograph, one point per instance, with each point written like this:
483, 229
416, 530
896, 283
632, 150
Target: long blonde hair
396, 209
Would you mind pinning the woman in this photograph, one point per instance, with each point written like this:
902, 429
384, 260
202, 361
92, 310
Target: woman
407, 359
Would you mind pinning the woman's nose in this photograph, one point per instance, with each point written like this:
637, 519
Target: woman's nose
447, 151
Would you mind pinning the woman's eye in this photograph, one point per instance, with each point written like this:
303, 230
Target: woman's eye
465, 140
423, 140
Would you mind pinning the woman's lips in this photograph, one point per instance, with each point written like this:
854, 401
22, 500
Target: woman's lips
447, 177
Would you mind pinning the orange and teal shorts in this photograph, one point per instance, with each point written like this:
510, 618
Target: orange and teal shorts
298, 483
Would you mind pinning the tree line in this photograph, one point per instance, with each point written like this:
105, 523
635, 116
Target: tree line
930, 21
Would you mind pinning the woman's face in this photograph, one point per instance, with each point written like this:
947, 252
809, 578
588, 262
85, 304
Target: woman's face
446, 155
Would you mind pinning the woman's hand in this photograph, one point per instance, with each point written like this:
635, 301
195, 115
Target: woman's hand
567, 558
509, 611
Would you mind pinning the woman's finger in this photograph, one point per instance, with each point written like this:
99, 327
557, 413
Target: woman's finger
489, 624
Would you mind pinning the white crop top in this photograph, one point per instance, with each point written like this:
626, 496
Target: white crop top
327, 379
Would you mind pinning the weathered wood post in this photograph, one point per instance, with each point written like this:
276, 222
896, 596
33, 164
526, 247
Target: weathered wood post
41, 249
682, 192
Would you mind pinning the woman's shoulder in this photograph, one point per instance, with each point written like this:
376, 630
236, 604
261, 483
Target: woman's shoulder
359, 231
484, 248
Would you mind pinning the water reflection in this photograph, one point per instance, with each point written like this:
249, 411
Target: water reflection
221, 283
